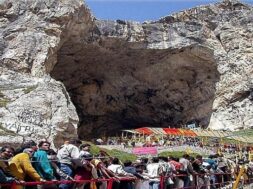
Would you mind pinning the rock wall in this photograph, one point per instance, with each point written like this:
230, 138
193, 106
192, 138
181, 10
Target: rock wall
32, 104
195, 65
126, 88
192, 65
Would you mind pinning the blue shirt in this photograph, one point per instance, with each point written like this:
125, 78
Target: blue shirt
42, 165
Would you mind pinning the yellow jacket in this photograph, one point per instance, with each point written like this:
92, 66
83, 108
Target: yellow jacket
20, 167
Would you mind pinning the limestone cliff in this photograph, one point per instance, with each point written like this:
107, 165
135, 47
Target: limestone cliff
192, 65
33, 104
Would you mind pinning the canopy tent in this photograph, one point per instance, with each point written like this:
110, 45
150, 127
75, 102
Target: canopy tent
144, 130
163, 131
245, 139
189, 133
131, 131
172, 131
180, 132
212, 133
192, 133
159, 131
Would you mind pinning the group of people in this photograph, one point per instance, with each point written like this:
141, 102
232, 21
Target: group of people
74, 163
169, 142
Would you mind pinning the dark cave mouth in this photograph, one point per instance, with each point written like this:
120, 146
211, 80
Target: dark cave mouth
115, 89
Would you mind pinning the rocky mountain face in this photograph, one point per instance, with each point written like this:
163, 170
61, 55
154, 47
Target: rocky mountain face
61, 68
33, 104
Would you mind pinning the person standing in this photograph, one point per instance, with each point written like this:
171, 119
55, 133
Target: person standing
85, 150
154, 172
117, 169
42, 165
68, 156
22, 169
184, 160
6, 152
41, 161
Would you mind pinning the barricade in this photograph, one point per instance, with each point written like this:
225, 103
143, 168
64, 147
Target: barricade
111, 180
195, 184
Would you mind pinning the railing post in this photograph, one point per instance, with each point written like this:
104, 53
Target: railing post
235, 186
110, 182
13, 185
161, 182
197, 181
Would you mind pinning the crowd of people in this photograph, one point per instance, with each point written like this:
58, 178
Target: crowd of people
213, 144
74, 162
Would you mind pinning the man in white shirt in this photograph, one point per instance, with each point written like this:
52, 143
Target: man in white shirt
154, 170
117, 168
85, 150
68, 155
185, 169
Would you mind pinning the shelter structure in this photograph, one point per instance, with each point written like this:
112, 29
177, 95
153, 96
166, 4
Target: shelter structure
191, 133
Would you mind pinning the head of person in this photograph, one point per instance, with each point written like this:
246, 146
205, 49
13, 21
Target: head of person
186, 156
51, 154
29, 151
192, 159
163, 159
26, 144
30, 144
115, 161
6, 152
144, 160
127, 163
75, 142
103, 153
44, 145
66, 142
85, 147
199, 157
155, 159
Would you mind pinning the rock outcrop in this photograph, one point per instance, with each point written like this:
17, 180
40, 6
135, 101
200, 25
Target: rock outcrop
32, 104
195, 65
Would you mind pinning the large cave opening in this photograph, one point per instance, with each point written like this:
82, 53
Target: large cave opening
115, 85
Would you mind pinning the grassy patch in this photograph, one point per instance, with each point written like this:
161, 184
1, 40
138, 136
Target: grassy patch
245, 135
4, 131
4, 102
229, 141
244, 132
1, 95
29, 89
94, 149
176, 154
123, 156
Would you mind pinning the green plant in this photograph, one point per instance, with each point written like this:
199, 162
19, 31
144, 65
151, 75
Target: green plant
176, 154
4, 102
244, 132
29, 89
123, 156
4, 131
1, 95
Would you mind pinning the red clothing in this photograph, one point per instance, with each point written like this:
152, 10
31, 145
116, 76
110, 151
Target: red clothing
82, 174
176, 164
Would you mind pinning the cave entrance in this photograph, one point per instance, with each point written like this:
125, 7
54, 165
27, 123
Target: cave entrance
115, 86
